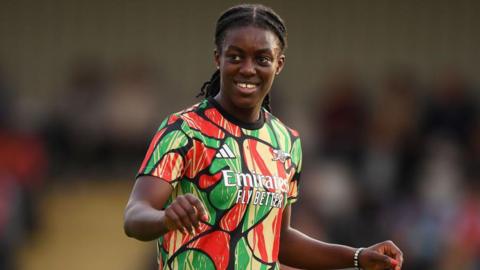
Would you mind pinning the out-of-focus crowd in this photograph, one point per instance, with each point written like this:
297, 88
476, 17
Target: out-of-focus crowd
400, 161
397, 158
96, 128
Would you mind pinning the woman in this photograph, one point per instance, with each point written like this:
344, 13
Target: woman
217, 182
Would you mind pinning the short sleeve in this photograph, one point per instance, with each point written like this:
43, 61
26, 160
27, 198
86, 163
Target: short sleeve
165, 156
296, 156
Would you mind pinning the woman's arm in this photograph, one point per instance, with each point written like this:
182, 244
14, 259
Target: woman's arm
302, 251
144, 218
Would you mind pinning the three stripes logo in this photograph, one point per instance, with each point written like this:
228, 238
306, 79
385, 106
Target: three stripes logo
225, 152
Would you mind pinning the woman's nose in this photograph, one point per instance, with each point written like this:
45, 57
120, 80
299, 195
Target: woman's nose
248, 68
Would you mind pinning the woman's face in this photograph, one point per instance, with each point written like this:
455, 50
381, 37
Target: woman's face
248, 60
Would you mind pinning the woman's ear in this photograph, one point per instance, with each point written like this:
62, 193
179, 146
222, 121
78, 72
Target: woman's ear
216, 58
280, 64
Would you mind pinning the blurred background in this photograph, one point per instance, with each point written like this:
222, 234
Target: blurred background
384, 93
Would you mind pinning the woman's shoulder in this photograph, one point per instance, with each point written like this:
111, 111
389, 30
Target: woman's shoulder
193, 108
182, 116
275, 121
192, 117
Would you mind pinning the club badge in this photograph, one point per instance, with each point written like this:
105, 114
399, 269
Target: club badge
280, 155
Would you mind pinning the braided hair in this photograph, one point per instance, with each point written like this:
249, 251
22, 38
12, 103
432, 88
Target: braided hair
239, 16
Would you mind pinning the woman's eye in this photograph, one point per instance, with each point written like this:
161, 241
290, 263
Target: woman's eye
264, 60
235, 58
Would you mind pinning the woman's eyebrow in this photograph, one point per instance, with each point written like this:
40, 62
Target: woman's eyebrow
233, 47
265, 50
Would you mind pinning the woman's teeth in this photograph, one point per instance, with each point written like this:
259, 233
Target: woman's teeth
247, 85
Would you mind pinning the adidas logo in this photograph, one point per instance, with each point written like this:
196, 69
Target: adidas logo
225, 152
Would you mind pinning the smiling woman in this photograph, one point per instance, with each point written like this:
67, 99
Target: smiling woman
218, 179
249, 58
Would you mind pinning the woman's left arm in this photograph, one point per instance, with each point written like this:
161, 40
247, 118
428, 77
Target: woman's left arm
302, 251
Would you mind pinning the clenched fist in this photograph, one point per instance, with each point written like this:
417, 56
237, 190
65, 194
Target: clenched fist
381, 256
185, 213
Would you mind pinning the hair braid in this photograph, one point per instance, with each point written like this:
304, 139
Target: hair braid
266, 103
212, 87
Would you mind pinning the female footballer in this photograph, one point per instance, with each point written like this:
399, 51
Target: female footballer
217, 183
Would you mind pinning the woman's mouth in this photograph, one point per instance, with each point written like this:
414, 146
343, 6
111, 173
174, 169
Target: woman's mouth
247, 88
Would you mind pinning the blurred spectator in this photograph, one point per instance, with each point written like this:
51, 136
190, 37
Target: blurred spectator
452, 109
6, 98
341, 117
22, 168
75, 131
8, 186
424, 224
333, 187
392, 152
463, 242
462, 250
442, 174
330, 191
473, 154
131, 110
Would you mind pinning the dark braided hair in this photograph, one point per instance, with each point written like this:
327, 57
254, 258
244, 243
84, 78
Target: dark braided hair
239, 16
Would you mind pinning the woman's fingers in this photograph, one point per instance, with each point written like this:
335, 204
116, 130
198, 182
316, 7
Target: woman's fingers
183, 213
186, 212
374, 260
393, 251
387, 255
189, 210
395, 264
201, 212
171, 214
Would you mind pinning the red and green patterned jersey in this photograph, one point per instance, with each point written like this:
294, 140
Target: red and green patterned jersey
244, 174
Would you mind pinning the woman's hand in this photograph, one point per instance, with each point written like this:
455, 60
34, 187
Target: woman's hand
381, 256
185, 213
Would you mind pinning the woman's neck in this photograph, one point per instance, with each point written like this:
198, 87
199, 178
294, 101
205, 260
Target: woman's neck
246, 115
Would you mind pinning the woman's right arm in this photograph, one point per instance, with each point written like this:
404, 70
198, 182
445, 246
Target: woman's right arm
145, 219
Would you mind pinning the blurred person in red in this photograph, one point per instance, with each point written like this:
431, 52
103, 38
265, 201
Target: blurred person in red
22, 167
463, 242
